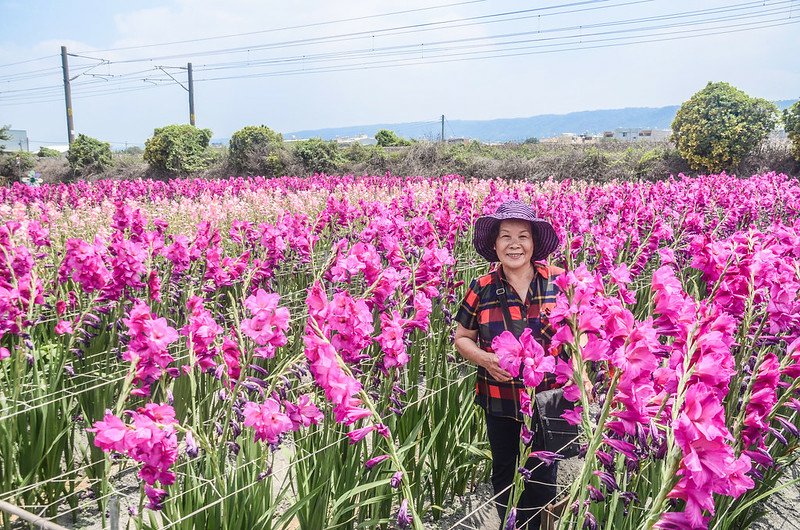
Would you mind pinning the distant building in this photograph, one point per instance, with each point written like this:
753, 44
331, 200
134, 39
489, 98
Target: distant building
570, 139
362, 139
60, 148
18, 141
635, 134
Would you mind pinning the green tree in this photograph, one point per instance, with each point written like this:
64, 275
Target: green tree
257, 149
319, 156
178, 149
4, 135
387, 138
89, 155
16, 165
46, 152
791, 123
720, 125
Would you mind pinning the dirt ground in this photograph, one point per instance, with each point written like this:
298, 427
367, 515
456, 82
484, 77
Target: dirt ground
782, 510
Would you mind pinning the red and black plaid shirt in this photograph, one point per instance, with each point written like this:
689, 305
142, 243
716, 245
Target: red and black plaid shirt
481, 311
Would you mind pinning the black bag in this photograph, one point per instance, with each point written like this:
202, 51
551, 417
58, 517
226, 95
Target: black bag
553, 433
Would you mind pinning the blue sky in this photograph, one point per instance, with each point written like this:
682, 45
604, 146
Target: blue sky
360, 62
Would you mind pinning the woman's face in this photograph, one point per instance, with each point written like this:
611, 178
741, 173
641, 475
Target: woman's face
514, 244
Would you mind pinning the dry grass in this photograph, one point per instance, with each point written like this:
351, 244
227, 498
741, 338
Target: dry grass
599, 162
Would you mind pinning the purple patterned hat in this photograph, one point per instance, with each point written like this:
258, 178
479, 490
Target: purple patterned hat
544, 235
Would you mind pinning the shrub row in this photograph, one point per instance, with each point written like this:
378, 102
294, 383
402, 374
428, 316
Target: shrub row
719, 128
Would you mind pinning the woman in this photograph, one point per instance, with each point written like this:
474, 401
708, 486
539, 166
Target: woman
518, 240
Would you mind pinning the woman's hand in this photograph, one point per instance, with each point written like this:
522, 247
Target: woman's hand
492, 365
467, 346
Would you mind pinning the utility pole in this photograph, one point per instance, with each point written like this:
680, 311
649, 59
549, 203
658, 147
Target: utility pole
189, 87
191, 94
442, 128
67, 96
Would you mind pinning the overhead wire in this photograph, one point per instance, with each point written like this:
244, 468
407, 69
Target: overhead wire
393, 31
437, 53
107, 88
286, 28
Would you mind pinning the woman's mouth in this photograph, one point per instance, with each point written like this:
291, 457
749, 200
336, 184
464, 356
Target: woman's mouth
514, 255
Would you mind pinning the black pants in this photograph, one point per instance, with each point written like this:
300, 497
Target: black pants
504, 442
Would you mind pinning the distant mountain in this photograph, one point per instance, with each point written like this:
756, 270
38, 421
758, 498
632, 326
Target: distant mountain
516, 129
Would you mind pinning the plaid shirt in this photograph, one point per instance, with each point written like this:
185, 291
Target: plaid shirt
481, 311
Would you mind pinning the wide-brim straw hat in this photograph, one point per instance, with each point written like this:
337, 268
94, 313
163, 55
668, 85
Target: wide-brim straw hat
544, 235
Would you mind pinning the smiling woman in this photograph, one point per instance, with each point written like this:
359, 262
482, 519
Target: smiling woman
518, 240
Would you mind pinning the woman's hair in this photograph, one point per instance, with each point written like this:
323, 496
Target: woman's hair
495, 231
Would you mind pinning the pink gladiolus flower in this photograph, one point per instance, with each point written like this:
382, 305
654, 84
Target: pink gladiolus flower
680, 521
304, 413
269, 322
526, 353
548, 457
110, 433
573, 417
372, 462
391, 340
147, 348
509, 352
267, 420
64, 327
356, 435
84, 264
626, 448
525, 404
202, 330
150, 440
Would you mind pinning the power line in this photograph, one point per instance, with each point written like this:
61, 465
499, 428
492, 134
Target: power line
580, 46
29, 60
285, 28
438, 53
384, 51
412, 48
359, 34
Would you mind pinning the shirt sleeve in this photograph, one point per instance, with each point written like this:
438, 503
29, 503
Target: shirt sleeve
467, 314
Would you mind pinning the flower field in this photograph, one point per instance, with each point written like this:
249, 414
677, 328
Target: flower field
278, 353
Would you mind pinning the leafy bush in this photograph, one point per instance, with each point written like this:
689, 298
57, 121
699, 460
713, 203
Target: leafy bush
9, 167
4, 135
89, 155
318, 156
46, 152
178, 149
133, 150
257, 149
359, 153
720, 125
791, 123
387, 138
593, 165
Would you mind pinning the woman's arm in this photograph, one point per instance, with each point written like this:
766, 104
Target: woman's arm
467, 346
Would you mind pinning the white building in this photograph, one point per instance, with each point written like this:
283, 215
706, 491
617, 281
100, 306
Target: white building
636, 134
362, 139
18, 141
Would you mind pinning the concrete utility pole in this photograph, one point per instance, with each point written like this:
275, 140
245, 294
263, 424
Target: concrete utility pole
189, 87
67, 95
191, 94
442, 127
